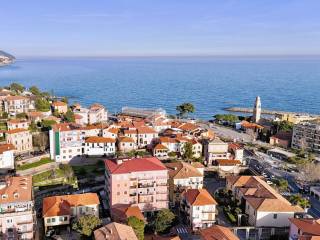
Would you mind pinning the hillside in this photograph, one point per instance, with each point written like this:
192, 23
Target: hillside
6, 58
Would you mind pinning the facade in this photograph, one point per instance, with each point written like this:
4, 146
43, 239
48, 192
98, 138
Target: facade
17, 123
183, 176
6, 156
60, 107
304, 229
115, 231
282, 139
294, 118
126, 144
21, 139
264, 206
214, 150
96, 113
58, 210
18, 104
257, 110
145, 136
17, 218
121, 212
99, 146
139, 182
306, 136
217, 232
199, 207
160, 151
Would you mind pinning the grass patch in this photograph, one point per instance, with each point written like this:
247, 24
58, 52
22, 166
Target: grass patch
35, 164
3, 126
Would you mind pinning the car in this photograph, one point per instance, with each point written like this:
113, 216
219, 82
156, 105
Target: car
50, 233
269, 182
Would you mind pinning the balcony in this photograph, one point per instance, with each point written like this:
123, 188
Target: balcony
140, 185
133, 187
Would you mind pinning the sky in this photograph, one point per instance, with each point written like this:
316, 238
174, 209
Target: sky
159, 27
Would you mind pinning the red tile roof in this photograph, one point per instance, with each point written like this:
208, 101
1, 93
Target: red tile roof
95, 139
199, 197
217, 232
59, 104
135, 165
6, 147
17, 130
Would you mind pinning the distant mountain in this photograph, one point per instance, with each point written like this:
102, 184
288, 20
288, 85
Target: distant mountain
6, 58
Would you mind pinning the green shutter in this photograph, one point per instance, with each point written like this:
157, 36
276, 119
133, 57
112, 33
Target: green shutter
57, 141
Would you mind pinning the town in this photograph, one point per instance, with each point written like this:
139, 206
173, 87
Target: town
78, 172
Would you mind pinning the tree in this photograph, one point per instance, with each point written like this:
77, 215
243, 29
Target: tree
33, 127
35, 90
47, 124
164, 220
172, 154
40, 141
42, 104
138, 226
86, 224
283, 185
227, 117
21, 115
284, 126
185, 109
299, 200
65, 100
69, 116
187, 151
309, 172
16, 87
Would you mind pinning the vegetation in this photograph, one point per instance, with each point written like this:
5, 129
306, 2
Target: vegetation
138, 226
284, 126
69, 116
21, 115
16, 87
42, 104
35, 90
184, 109
40, 141
172, 154
86, 224
187, 151
230, 118
47, 124
282, 185
35, 164
299, 200
163, 221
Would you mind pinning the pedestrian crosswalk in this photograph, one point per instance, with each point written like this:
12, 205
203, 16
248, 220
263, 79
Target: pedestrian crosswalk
182, 230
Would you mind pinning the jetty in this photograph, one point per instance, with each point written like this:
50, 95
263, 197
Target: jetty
265, 111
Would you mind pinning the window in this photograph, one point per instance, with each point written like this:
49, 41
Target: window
275, 216
118, 193
48, 220
53, 220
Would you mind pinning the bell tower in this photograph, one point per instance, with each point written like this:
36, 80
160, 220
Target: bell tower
257, 110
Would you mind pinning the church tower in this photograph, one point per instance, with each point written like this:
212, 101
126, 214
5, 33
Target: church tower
257, 110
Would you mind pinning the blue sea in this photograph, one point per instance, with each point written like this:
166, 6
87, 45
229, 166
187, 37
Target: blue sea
211, 84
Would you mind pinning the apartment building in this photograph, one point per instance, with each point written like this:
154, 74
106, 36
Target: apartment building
264, 206
304, 229
17, 123
6, 156
18, 104
99, 146
145, 136
184, 176
110, 132
58, 210
140, 182
21, 139
306, 136
96, 113
199, 207
17, 217
215, 150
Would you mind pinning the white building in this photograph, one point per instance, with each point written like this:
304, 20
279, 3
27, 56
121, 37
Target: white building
6, 156
214, 150
21, 139
96, 113
99, 146
199, 207
17, 123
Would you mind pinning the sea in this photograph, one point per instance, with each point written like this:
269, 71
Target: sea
210, 83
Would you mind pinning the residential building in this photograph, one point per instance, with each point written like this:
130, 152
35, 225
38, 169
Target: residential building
228, 167
140, 182
214, 150
196, 148
121, 212
304, 229
184, 176
126, 144
18, 104
6, 156
217, 232
35, 116
294, 118
264, 206
160, 151
145, 136
110, 132
99, 146
115, 231
66, 142
17, 218
306, 136
281, 139
96, 113
21, 139
171, 143
17, 123
236, 151
199, 207
59, 107
58, 210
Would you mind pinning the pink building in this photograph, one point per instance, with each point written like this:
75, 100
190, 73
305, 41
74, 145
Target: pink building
138, 181
17, 216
